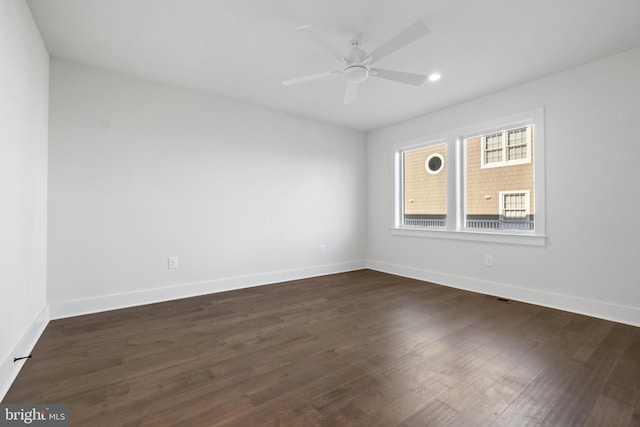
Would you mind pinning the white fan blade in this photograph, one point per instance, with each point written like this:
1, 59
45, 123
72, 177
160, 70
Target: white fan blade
315, 36
399, 76
309, 78
351, 95
412, 33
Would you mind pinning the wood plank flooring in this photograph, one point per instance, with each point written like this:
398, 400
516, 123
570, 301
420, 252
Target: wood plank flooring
354, 349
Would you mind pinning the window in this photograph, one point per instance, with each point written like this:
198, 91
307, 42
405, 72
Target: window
514, 206
479, 182
506, 147
492, 146
514, 211
499, 198
434, 163
425, 187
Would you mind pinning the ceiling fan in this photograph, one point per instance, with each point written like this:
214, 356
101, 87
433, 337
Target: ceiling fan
357, 63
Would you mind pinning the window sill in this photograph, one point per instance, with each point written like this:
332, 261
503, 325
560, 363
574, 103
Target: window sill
473, 236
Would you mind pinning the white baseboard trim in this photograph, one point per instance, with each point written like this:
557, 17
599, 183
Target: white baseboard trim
9, 369
603, 310
62, 309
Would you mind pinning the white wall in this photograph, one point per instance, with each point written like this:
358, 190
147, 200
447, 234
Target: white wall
590, 262
24, 80
243, 195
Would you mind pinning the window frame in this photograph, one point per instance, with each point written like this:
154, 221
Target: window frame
456, 185
399, 194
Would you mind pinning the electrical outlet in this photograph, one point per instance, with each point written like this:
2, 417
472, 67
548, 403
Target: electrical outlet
173, 262
322, 249
488, 260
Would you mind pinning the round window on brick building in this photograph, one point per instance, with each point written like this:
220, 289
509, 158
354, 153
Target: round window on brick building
434, 163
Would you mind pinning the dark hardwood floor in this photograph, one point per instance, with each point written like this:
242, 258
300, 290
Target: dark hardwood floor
361, 348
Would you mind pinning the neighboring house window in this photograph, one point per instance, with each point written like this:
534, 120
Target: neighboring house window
518, 141
434, 163
515, 205
514, 211
492, 147
474, 182
507, 147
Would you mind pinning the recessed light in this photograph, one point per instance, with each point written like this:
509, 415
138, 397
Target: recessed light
434, 77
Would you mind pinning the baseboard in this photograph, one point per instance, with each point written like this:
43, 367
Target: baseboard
599, 309
62, 309
9, 369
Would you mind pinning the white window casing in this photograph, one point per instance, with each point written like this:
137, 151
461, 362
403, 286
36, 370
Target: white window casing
523, 150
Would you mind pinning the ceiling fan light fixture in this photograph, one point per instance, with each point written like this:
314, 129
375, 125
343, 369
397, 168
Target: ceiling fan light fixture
357, 64
356, 74
434, 77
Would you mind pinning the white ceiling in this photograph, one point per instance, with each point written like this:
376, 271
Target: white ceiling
243, 49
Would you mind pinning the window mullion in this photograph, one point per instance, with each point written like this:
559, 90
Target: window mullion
505, 145
454, 201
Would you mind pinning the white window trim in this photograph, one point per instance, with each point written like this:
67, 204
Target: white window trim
454, 138
504, 161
